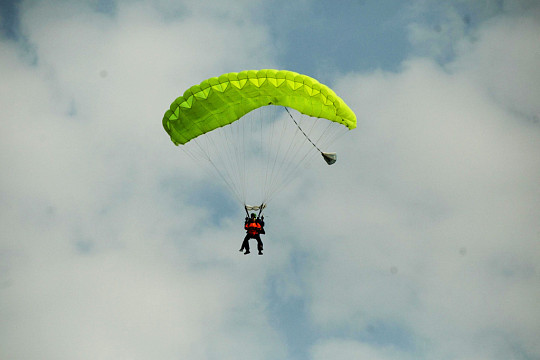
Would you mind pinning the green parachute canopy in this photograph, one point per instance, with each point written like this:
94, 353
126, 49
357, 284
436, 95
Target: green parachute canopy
220, 101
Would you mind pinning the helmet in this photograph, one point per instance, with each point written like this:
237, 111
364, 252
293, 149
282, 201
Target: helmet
253, 215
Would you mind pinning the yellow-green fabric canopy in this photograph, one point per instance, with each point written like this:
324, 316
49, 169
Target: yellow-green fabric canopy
219, 101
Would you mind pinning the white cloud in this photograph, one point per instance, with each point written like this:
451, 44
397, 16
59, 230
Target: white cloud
436, 28
101, 253
347, 349
420, 241
503, 60
436, 232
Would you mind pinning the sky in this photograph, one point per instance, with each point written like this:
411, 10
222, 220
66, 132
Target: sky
421, 242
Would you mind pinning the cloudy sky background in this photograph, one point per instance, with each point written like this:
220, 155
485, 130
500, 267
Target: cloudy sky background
422, 242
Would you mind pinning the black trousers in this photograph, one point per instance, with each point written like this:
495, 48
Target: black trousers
245, 243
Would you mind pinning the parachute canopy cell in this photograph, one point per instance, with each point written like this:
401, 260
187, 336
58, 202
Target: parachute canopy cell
219, 101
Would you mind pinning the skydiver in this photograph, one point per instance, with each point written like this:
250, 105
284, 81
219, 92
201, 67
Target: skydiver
254, 227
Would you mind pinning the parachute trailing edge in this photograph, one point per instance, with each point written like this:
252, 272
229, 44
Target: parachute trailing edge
219, 101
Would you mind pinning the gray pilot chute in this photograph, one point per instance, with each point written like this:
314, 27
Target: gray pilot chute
330, 158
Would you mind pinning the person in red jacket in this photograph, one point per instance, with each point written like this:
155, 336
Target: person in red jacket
254, 227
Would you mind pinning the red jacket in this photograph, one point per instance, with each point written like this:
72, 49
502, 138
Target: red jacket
253, 227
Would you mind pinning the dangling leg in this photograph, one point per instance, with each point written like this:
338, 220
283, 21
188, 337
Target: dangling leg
259, 244
245, 244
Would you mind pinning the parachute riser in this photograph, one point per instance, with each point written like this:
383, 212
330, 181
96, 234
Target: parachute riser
249, 208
